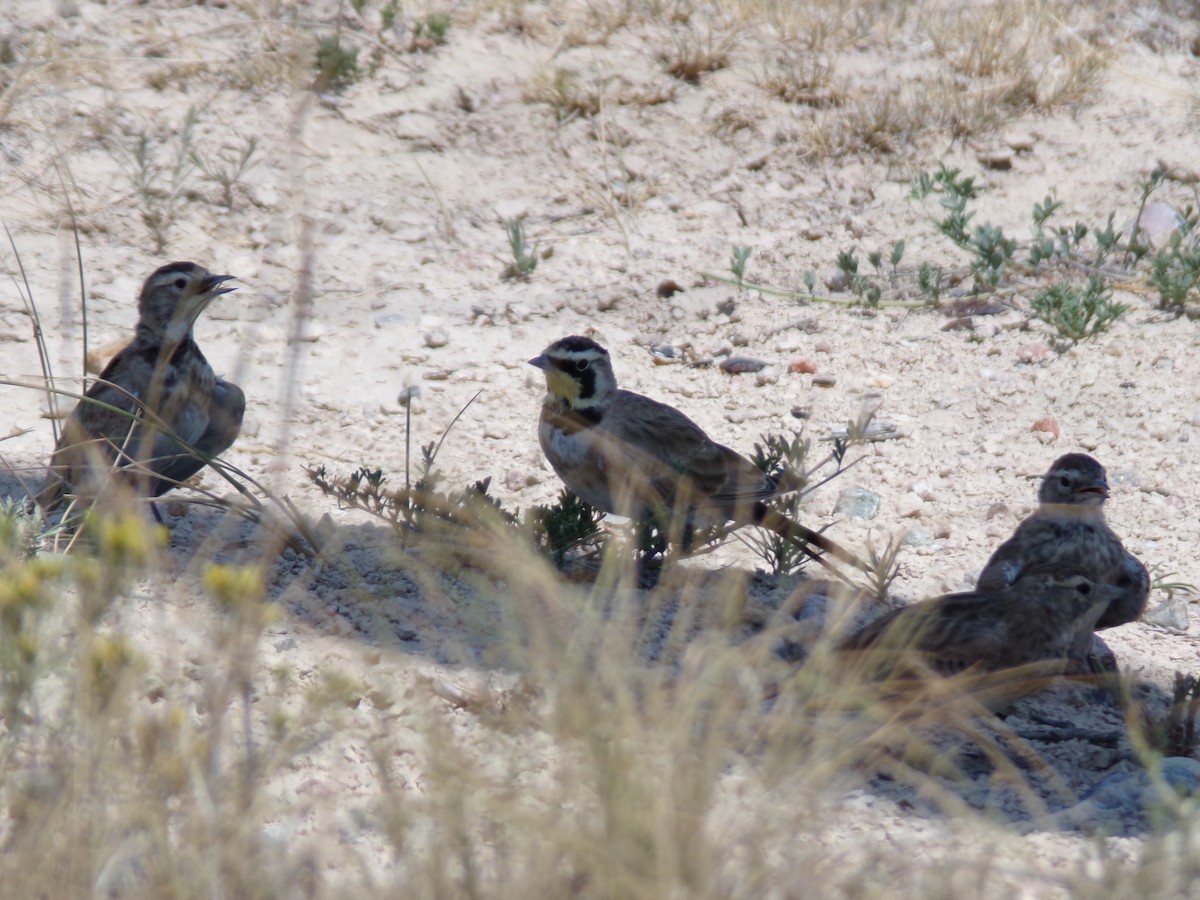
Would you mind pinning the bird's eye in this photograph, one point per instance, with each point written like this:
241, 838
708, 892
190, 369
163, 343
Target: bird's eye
180, 283
1084, 588
1064, 481
581, 365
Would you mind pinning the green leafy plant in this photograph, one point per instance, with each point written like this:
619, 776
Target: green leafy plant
883, 566
783, 458
336, 65
1078, 312
993, 254
524, 258
867, 291
226, 167
430, 31
1181, 738
1175, 270
162, 185
738, 263
929, 282
786, 460
564, 528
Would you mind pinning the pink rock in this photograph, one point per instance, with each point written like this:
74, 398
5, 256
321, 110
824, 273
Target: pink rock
1034, 352
803, 366
1049, 425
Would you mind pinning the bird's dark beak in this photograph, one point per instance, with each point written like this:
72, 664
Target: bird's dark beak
540, 362
1101, 489
212, 285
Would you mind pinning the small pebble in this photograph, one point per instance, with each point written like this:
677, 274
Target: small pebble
438, 337
837, 283
802, 367
769, 375
825, 381
857, 503
998, 160
923, 490
917, 537
668, 288
1047, 425
738, 365
987, 330
1020, 143
1031, 353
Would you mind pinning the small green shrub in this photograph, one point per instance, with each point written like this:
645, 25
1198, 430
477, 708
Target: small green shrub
336, 65
1078, 312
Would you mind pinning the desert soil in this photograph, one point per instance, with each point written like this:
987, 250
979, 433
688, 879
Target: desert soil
369, 251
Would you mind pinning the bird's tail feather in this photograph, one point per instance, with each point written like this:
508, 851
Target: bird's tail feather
791, 530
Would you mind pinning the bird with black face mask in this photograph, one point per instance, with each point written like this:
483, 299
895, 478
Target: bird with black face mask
627, 454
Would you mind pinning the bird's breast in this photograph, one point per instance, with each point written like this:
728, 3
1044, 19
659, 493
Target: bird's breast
564, 446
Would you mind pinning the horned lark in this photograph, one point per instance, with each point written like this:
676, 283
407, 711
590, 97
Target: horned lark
1036, 618
632, 456
158, 413
1068, 532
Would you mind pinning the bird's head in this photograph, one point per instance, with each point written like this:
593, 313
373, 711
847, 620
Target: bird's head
578, 371
1067, 584
1076, 479
174, 296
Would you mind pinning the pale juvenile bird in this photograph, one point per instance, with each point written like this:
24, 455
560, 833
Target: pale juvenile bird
1034, 619
1067, 532
157, 413
632, 456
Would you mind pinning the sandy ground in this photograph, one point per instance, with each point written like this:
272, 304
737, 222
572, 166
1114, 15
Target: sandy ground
394, 189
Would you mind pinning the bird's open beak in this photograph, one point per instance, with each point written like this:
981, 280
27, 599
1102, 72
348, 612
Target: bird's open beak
540, 362
212, 285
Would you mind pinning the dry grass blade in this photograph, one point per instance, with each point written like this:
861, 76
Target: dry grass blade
27, 297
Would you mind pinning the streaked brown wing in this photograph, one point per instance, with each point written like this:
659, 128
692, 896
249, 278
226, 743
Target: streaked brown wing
108, 406
98, 429
205, 430
673, 447
949, 629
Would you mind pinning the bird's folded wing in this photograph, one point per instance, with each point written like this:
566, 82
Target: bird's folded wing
672, 447
1004, 566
